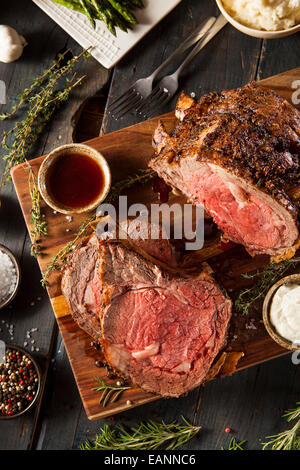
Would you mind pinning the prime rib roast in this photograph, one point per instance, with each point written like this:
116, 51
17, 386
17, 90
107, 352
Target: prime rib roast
237, 154
157, 325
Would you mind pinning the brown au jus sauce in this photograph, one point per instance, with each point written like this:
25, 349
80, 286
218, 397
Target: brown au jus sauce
75, 180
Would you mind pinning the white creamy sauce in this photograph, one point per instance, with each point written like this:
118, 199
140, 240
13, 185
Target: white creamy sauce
268, 15
285, 312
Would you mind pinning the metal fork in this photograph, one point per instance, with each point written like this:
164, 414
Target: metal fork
142, 88
167, 87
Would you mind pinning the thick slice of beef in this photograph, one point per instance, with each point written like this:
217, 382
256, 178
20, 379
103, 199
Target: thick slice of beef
237, 153
81, 285
160, 329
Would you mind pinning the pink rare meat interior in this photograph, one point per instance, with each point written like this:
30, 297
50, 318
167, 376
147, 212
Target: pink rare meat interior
167, 329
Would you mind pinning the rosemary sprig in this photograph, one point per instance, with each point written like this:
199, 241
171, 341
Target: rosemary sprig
289, 439
110, 393
263, 281
60, 259
234, 445
146, 436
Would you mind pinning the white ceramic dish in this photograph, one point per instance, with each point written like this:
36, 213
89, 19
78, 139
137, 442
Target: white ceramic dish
108, 49
256, 33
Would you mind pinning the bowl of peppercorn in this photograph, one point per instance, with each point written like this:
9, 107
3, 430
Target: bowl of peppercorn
20, 382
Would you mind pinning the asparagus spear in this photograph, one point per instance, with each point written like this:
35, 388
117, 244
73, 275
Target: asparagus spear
72, 5
123, 11
116, 17
88, 12
112, 12
135, 3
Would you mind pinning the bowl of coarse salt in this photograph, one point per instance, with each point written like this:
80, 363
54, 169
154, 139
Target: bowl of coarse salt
10, 276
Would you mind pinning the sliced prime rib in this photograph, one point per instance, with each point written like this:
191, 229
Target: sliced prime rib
160, 328
81, 285
237, 153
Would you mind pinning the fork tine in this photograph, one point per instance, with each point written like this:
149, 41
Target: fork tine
130, 106
159, 104
153, 93
154, 103
119, 101
156, 94
126, 104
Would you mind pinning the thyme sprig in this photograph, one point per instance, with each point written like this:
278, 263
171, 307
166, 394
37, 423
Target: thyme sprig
39, 225
289, 439
264, 279
142, 176
45, 95
42, 99
110, 393
60, 259
146, 436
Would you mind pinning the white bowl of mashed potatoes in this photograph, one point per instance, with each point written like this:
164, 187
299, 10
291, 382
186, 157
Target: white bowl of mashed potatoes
281, 312
267, 19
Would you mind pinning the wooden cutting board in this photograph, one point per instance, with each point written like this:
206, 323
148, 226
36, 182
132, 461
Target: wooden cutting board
126, 151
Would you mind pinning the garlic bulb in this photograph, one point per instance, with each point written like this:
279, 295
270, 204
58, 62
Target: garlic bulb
11, 44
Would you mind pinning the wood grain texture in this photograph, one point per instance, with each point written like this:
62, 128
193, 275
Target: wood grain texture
126, 151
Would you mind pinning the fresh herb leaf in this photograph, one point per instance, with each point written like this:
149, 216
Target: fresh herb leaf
110, 393
263, 279
41, 100
234, 445
146, 436
289, 439
39, 225
60, 259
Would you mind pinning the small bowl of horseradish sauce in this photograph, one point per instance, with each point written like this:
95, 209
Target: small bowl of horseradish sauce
281, 312
10, 276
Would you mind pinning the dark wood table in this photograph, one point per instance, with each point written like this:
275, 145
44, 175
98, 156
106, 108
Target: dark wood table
252, 401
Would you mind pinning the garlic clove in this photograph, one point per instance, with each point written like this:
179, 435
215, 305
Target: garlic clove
12, 44
14, 53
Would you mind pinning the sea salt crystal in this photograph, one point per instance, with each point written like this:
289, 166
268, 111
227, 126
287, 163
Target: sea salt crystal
8, 276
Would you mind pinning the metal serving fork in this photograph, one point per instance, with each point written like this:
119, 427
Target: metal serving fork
142, 88
167, 87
